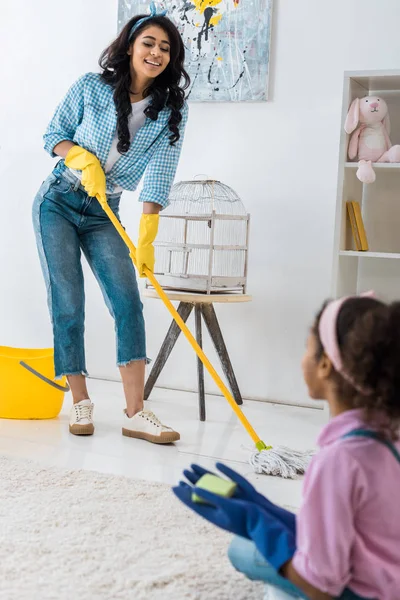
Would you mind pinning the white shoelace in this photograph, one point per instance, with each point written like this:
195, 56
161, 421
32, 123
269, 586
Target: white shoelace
83, 412
152, 417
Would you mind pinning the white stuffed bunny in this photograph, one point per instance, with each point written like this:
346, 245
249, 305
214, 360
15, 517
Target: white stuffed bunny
368, 118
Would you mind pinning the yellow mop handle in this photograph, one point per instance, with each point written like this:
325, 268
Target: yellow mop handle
175, 315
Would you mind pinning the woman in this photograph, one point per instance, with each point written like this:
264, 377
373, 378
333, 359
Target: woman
109, 129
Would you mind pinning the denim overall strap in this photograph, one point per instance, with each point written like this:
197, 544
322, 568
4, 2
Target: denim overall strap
374, 436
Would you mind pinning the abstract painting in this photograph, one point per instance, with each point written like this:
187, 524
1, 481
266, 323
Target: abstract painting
227, 45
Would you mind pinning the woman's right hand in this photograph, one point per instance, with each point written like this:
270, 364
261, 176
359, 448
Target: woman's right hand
93, 176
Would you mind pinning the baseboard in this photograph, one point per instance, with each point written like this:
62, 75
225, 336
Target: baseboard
312, 404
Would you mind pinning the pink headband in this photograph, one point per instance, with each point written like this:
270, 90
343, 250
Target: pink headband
328, 335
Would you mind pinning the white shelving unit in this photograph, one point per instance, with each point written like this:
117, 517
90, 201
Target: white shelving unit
354, 271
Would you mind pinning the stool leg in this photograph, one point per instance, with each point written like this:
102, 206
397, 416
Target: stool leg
200, 366
214, 330
184, 311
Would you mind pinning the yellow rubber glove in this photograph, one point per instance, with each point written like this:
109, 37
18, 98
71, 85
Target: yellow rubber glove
93, 177
145, 250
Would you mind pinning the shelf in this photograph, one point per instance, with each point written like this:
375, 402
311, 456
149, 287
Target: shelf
369, 254
354, 165
376, 81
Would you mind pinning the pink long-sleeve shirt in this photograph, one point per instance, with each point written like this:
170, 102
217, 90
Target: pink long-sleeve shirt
348, 528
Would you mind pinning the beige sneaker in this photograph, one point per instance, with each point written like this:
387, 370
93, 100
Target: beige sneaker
145, 426
81, 418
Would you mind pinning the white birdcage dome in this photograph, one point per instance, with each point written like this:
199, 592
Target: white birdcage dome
204, 197
202, 244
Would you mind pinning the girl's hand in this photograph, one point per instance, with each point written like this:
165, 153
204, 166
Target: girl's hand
245, 491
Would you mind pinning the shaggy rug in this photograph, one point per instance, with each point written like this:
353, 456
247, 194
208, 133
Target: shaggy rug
83, 535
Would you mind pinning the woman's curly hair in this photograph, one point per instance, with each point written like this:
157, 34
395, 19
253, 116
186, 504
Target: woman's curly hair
167, 90
368, 333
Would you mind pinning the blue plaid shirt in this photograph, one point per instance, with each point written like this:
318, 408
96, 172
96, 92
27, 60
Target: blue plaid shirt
87, 117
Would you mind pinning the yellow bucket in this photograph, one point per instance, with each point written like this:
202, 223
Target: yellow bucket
27, 386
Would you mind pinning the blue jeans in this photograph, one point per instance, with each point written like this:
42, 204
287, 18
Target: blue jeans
246, 559
67, 221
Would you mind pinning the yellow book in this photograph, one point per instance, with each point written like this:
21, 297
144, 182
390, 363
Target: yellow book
357, 225
353, 223
360, 226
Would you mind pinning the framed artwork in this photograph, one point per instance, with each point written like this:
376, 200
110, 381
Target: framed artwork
227, 45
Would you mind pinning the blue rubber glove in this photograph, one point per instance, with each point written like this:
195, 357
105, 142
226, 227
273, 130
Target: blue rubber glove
245, 491
211, 513
273, 539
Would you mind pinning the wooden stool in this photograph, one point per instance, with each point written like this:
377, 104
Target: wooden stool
203, 306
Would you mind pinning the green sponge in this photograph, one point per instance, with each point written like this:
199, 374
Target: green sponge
216, 485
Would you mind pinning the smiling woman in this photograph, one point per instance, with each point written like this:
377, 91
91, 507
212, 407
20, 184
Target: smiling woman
109, 130
151, 49
147, 59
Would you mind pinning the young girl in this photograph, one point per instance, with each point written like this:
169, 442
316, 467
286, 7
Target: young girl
109, 129
346, 540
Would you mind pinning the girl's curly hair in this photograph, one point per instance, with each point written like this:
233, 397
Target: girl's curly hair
368, 333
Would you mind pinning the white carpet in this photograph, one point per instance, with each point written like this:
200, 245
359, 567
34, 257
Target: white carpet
85, 536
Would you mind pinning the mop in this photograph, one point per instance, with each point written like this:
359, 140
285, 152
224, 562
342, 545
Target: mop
281, 461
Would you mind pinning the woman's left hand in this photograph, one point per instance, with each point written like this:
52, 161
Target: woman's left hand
145, 249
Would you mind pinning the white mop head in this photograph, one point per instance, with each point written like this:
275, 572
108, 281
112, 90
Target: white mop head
281, 461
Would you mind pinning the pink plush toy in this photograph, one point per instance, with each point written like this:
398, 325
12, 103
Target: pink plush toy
370, 141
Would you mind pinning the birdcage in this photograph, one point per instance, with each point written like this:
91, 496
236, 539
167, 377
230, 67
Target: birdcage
202, 243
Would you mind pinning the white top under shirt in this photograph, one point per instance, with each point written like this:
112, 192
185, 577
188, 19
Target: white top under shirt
136, 120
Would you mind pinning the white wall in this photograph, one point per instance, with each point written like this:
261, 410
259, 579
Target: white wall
280, 156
